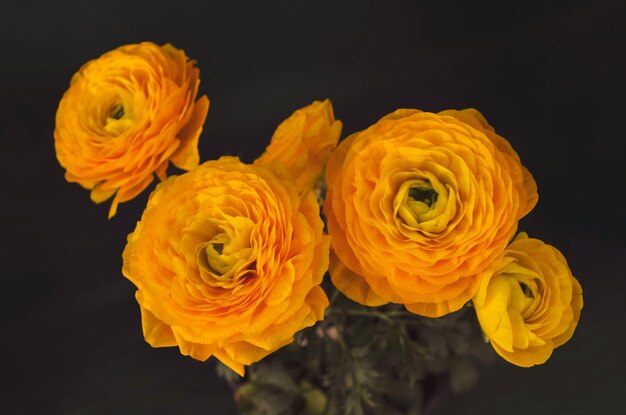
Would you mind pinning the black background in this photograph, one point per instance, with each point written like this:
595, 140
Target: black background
548, 75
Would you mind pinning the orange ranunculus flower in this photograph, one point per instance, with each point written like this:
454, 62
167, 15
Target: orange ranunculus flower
303, 143
528, 302
125, 116
418, 204
227, 260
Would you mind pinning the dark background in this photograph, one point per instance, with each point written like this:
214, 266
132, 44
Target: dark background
548, 75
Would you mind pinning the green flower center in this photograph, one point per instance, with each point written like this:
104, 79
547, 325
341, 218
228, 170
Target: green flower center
528, 293
227, 256
425, 194
418, 198
424, 204
221, 262
118, 119
118, 112
219, 248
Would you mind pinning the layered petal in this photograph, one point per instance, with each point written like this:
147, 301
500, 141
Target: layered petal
528, 302
418, 204
227, 260
125, 116
303, 143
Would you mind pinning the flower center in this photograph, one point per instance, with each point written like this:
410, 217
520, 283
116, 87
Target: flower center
528, 293
221, 262
525, 292
117, 112
118, 119
418, 198
227, 255
218, 247
424, 194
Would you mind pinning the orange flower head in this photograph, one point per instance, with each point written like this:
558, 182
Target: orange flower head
418, 204
125, 116
303, 143
227, 260
528, 302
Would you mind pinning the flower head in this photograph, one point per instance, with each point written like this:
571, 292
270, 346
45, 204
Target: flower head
418, 204
303, 143
528, 302
227, 260
125, 116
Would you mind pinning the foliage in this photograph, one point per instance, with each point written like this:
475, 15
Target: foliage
365, 361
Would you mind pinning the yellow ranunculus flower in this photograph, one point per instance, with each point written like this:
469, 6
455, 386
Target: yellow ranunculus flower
125, 116
227, 260
528, 302
418, 204
303, 143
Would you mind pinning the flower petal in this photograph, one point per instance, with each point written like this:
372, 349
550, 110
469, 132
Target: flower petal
156, 332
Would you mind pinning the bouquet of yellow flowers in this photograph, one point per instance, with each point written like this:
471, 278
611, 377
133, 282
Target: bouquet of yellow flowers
414, 220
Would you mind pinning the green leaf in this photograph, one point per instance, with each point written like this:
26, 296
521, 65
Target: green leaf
274, 374
366, 360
